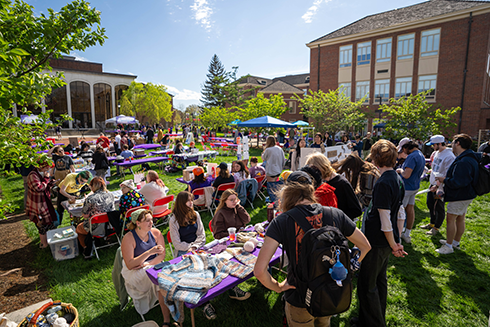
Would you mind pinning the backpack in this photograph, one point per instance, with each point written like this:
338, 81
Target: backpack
482, 183
318, 290
130, 143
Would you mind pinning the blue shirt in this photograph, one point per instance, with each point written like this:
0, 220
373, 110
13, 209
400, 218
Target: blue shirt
415, 161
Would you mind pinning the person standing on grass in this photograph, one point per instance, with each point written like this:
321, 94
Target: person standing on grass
382, 226
442, 159
459, 190
411, 170
298, 199
274, 156
366, 145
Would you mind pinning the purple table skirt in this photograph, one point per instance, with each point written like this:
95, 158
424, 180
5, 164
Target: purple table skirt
136, 156
140, 161
227, 283
181, 180
147, 146
227, 144
158, 153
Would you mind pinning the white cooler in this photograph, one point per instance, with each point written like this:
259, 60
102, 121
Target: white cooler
65, 247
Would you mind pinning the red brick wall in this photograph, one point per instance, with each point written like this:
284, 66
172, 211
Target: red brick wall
76, 65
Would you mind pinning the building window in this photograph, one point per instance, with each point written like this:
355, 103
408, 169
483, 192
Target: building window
428, 82
345, 56
57, 102
383, 50
103, 100
429, 44
364, 53
381, 91
405, 46
345, 89
118, 90
403, 87
362, 89
292, 107
80, 105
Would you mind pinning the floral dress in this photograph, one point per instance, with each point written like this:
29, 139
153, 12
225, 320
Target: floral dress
130, 200
96, 203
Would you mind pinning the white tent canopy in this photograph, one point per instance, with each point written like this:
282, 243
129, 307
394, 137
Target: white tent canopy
122, 119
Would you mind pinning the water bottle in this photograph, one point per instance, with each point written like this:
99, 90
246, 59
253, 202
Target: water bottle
270, 211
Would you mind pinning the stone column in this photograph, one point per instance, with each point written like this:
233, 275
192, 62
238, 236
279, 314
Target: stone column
68, 103
92, 104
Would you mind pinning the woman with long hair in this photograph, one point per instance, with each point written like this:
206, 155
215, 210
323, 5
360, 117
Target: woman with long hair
142, 248
154, 189
99, 159
224, 177
240, 171
301, 144
298, 200
70, 188
229, 214
318, 142
346, 198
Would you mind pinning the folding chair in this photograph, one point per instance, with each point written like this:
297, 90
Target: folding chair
101, 219
200, 207
158, 203
261, 181
205, 148
173, 251
222, 187
123, 168
210, 227
128, 217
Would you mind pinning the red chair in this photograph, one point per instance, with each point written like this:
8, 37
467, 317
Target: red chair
200, 207
127, 217
161, 202
222, 187
102, 218
210, 227
261, 181
170, 245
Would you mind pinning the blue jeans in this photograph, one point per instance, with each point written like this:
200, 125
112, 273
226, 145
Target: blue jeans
179, 253
272, 189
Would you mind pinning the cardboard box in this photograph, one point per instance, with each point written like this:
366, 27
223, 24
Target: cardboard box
139, 152
187, 174
63, 243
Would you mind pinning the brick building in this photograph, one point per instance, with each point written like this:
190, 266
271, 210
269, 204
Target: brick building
439, 44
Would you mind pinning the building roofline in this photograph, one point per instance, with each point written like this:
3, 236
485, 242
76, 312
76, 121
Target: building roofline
91, 72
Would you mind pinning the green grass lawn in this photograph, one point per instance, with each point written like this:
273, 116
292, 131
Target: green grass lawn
425, 288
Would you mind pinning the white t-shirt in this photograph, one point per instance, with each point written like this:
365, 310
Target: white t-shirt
118, 140
245, 143
440, 164
151, 191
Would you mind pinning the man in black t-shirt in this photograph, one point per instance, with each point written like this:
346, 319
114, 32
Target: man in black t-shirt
366, 145
63, 164
382, 227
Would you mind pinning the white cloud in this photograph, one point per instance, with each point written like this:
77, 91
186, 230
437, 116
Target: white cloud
77, 56
308, 16
202, 13
184, 94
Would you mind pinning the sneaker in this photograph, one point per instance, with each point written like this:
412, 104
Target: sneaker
238, 294
445, 250
406, 239
209, 312
428, 226
443, 242
432, 232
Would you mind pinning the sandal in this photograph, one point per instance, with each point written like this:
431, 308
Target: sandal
43, 246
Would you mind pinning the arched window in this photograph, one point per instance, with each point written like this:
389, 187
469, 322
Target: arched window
119, 89
80, 105
103, 100
56, 101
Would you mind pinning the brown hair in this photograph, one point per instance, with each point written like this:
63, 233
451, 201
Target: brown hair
224, 173
254, 160
57, 149
153, 177
99, 149
183, 214
125, 147
97, 183
226, 194
141, 216
270, 141
384, 153
352, 167
242, 167
294, 192
321, 162
464, 140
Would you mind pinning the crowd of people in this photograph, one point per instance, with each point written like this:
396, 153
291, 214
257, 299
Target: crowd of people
378, 181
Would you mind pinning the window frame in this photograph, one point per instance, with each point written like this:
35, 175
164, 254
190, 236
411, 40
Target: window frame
431, 97
366, 85
386, 90
361, 47
433, 38
407, 40
384, 43
346, 86
292, 109
403, 81
345, 52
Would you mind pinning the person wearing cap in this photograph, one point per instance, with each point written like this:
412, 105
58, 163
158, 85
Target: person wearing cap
224, 177
199, 181
130, 197
142, 248
297, 198
70, 188
401, 154
154, 189
411, 172
442, 160
38, 203
459, 190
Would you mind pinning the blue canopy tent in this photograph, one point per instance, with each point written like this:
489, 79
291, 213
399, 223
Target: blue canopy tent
266, 121
301, 123
235, 122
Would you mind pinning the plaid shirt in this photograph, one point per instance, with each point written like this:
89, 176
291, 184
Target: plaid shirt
38, 191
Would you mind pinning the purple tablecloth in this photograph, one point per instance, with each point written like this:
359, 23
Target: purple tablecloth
112, 158
158, 153
225, 144
140, 161
222, 139
226, 284
147, 146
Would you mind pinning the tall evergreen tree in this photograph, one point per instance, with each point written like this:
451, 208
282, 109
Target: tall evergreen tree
212, 92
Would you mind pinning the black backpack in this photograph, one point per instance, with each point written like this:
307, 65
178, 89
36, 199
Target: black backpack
482, 183
318, 290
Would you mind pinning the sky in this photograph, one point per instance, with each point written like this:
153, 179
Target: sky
171, 42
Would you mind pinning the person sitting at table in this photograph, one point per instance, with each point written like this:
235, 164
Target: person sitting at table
154, 189
240, 171
256, 170
141, 249
101, 200
298, 200
192, 147
130, 197
63, 164
104, 142
165, 141
126, 154
70, 188
99, 159
199, 181
223, 177
85, 152
230, 214
179, 148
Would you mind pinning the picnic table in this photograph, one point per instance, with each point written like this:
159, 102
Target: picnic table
75, 209
160, 152
193, 157
222, 139
135, 162
112, 158
227, 283
147, 146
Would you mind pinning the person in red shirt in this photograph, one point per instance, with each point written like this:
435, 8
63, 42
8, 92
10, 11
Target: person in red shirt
104, 141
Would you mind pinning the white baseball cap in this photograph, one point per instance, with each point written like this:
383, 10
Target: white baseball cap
436, 139
403, 141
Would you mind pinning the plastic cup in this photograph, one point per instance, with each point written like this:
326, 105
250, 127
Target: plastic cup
138, 186
232, 233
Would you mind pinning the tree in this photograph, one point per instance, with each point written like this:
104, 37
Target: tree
27, 42
148, 102
217, 117
212, 92
332, 111
236, 95
412, 116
